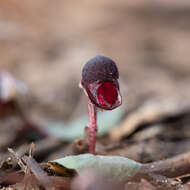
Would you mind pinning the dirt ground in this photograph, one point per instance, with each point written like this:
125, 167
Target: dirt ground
46, 43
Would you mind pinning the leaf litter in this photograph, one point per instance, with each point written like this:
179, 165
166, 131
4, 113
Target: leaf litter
68, 170
157, 137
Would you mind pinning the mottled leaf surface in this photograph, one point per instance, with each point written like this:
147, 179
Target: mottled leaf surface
116, 167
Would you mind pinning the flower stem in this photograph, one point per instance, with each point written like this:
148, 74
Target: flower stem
92, 127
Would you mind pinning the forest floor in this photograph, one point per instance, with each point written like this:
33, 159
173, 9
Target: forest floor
46, 49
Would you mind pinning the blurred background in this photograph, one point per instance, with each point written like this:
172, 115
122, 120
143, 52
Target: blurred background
46, 43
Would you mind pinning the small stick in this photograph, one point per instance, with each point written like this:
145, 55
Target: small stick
28, 172
40, 175
31, 150
171, 167
18, 159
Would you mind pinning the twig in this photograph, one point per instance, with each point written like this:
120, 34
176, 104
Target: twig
171, 167
31, 150
18, 159
27, 177
40, 175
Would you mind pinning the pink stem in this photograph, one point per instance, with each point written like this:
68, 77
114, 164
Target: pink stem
92, 127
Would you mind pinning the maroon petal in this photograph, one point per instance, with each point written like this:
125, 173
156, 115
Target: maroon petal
99, 68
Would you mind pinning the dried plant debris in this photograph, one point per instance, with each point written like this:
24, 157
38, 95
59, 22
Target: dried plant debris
18, 159
32, 175
95, 171
150, 112
40, 175
69, 172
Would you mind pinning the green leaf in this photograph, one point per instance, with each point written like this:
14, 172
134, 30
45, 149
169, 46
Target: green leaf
116, 167
75, 129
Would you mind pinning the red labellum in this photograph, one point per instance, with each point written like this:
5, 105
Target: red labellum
107, 94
